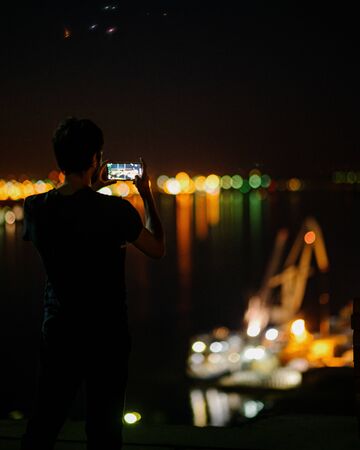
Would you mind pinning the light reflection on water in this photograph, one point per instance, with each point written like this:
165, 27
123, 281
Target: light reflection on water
218, 247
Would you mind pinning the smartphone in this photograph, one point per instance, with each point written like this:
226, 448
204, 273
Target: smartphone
123, 171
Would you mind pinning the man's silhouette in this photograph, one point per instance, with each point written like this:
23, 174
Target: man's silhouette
81, 236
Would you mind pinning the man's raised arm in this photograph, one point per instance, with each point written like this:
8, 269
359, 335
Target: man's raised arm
151, 240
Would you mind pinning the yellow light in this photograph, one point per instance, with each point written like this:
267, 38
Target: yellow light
191, 187
200, 183
310, 237
298, 327
198, 346
321, 349
271, 334
28, 188
132, 417
212, 183
40, 187
173, 186
184, 180
3, 190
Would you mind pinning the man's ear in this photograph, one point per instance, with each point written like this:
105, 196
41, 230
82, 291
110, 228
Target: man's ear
94, 161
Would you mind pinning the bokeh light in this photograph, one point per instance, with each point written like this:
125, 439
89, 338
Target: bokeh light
298, 327
161, 180
271, 334
200, 183
310, 237
10, 217
245, 187
265, 181
294, 184
184, 180
172, 186
198, 346
236, 181
226, 182
212, 184
255, 181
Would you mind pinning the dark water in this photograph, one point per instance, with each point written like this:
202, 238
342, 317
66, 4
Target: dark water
218, 248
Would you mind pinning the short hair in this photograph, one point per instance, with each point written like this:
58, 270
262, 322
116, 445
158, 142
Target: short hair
75, 142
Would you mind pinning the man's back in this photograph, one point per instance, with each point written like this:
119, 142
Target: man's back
81, 239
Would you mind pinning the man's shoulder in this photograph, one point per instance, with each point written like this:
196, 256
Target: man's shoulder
31, 201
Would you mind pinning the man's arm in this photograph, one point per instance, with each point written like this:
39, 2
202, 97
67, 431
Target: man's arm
151, 240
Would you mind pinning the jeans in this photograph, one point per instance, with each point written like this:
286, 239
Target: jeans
67, 359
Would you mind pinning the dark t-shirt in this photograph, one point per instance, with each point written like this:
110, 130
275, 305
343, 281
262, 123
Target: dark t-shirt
81, 239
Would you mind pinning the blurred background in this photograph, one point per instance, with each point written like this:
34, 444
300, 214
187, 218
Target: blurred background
246, 118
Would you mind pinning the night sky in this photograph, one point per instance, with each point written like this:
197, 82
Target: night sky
201, 88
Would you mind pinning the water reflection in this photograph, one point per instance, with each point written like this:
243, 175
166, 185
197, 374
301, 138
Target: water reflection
218, 408
201, 223
184, 205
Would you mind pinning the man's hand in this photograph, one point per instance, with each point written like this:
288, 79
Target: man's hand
142, 183
101, 179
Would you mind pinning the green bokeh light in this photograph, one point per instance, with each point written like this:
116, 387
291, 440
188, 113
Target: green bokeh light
265, 181
226, 182
255, 181
237, 181
245, 188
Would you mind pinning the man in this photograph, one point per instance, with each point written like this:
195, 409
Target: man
81, 236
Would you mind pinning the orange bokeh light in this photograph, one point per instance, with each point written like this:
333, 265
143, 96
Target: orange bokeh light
310, 237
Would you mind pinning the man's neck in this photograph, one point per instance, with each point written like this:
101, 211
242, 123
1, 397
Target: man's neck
74, 183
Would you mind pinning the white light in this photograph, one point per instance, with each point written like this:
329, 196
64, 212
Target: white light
105, 190
298, 327
271, 334
254, 353
198, 347
162, 179
225, 346
216, 347
173, 186
130, 418
197, 358
252, 408
253, 328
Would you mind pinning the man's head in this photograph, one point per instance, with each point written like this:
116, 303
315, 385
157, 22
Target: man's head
75, 143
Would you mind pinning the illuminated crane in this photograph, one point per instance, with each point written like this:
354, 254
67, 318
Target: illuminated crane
291, 280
